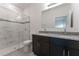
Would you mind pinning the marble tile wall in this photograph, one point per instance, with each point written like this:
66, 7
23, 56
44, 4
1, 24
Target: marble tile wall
12, 33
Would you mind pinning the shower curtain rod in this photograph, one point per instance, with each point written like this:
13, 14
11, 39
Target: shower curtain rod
15, 21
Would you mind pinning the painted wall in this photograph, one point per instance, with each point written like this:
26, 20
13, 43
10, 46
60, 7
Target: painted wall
34, 11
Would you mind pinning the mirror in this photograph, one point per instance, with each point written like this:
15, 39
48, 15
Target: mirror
60, 22
58, 18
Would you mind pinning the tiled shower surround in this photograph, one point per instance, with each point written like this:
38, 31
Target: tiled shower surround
12, 34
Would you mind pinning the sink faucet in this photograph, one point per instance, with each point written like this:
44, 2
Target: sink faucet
64, 29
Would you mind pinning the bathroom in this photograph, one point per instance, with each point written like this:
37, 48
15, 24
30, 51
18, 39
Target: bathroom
31, 29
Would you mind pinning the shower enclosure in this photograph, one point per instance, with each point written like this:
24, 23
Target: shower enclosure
13, 34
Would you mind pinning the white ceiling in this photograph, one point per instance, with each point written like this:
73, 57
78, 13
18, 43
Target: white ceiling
22, 6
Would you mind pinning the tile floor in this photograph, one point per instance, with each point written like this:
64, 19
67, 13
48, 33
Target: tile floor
21, 52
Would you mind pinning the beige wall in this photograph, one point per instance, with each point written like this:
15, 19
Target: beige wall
34, 11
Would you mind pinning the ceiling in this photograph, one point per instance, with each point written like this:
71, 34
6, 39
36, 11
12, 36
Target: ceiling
21, 6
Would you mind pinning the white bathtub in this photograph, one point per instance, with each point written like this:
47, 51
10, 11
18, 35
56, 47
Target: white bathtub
25, 44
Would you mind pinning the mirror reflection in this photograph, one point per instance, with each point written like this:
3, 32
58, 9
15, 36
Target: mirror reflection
60, 22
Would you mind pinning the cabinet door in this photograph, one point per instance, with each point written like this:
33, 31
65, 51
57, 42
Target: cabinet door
57, 47
44, 45
74, 52
74, 48
36, 44
41, 45
56, 51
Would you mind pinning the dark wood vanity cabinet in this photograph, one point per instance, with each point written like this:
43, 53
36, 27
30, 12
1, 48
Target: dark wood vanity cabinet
55, 49
59, 46
73, 48
36, 45
74, 52
44, 47
41, 45
51, 46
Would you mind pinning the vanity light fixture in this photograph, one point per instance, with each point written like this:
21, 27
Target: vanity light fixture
51, 5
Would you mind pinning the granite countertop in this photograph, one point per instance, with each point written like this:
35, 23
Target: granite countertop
59, 35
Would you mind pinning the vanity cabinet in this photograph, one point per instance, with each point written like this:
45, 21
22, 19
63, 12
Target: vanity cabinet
41, 45
36, 45
74, 52
73, 48
58, 47
52, 46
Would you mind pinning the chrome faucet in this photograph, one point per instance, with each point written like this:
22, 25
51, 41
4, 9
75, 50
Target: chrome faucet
64, 29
